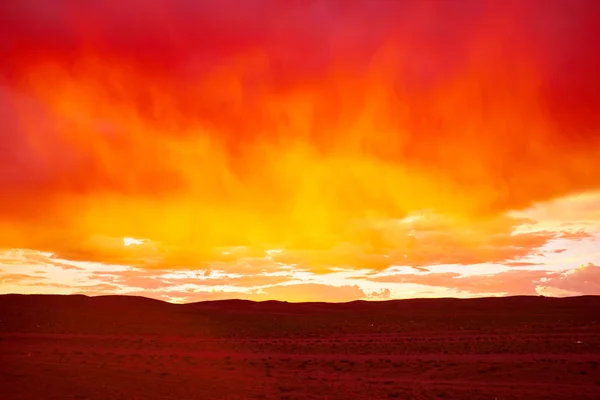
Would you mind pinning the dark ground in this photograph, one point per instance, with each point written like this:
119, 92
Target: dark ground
114, 347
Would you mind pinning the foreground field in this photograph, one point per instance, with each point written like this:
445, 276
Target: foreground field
74, 347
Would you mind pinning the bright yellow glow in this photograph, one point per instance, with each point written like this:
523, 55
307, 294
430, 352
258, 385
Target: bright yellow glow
131, 241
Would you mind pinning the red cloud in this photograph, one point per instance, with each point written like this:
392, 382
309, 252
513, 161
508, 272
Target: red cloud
518, 282
584, 280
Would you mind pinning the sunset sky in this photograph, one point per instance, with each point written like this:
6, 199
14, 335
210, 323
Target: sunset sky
302, 150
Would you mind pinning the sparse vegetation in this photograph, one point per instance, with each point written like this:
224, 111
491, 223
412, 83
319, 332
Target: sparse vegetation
437, 361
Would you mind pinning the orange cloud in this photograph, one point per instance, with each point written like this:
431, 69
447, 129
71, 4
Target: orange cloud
20, 278
295, 293
144, 279
345, 133
311, 292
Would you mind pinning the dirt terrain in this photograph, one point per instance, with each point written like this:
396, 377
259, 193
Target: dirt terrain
78, 347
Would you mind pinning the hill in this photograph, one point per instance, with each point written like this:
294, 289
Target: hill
117, 347
79, 314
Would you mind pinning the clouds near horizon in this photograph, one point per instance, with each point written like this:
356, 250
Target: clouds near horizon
273, 136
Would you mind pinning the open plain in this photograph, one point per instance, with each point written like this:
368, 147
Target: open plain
116, 347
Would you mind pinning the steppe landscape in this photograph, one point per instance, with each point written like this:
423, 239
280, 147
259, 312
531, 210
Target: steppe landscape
301, 199
117, 347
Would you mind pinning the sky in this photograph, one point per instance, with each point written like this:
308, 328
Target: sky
315, 150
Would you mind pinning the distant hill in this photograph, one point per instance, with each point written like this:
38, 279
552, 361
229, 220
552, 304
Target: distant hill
79, 314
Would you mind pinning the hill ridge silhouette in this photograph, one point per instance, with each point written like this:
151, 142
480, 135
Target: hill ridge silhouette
233, 301
121, 314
